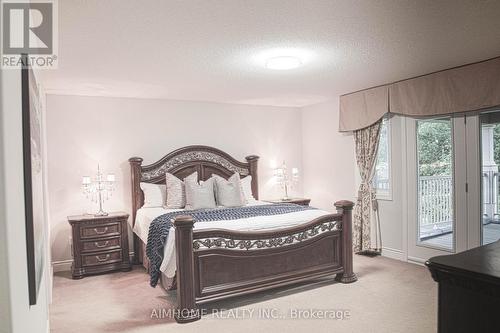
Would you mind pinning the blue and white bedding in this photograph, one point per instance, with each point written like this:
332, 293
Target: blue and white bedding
241, 221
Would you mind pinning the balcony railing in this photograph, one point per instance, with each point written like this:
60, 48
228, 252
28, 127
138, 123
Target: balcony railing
435, 200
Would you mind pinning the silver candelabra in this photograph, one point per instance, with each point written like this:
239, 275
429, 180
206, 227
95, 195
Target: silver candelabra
285, 180
98, 189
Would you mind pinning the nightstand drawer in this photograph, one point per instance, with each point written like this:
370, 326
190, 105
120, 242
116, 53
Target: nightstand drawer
102, 258
100, 231
100, 245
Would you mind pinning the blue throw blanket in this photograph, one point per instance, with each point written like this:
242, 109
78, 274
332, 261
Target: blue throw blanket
160, 227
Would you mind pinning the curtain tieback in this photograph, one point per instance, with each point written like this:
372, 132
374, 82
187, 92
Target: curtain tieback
366, 188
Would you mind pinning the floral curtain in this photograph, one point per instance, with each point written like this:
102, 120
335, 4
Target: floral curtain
366, 141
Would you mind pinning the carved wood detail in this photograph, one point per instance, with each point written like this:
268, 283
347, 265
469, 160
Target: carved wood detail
264, 243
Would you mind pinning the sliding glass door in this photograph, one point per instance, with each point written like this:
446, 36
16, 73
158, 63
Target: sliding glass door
489, 132
453, 189
436, 187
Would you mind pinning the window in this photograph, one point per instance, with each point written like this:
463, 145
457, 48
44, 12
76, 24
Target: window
382, 177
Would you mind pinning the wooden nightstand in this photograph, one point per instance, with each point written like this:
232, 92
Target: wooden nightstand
298, 201
100, 244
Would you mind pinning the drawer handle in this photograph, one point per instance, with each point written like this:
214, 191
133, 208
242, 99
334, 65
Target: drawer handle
101, 245
101, 232
100, 259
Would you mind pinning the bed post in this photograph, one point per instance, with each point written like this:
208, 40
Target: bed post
186, 303
135, 169
344, 207
253, 162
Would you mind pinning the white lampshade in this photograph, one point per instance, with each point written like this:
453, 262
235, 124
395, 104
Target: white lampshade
110, 177
295, 172
85, 180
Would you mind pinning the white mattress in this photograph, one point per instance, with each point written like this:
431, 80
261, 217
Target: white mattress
145, 216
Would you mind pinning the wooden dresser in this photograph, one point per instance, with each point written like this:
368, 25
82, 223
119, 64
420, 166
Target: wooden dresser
469, 290
297, 201
100, 244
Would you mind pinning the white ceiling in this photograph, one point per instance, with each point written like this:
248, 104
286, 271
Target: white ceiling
208, 50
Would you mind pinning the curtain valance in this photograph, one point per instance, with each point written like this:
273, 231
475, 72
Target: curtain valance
461, 89
363, 108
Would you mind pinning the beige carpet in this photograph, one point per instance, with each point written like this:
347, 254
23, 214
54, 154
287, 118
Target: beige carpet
390, 296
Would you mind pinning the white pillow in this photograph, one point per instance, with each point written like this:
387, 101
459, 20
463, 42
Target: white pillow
199, 195
176, 194
229, 193
154, 195
246, 188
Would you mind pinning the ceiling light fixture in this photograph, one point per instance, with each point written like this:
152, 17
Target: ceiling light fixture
283, 63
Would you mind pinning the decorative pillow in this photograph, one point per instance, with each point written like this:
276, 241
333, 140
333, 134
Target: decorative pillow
176, 194
229, 192
199, 195
246, 189
154, 195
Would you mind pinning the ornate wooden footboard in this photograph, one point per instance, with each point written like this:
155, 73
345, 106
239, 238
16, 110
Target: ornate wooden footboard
216, 264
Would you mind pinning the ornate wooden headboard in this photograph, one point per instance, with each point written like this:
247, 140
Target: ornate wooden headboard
183, 162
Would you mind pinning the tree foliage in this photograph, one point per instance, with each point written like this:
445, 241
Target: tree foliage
496, 140
434, 147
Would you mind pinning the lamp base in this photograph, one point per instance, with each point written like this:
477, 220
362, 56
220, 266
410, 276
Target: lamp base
101, 213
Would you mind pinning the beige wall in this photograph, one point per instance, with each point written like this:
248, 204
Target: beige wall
328, 156
84, 131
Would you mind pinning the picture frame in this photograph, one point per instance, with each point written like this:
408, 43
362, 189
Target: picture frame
33, 180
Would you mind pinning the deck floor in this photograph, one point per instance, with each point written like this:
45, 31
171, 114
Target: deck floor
491, 233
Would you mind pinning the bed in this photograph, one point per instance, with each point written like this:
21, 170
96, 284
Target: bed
222, 259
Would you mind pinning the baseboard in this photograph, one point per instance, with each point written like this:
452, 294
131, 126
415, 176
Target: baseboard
399, 255
393, 253
65, 265
417, 261
61, 266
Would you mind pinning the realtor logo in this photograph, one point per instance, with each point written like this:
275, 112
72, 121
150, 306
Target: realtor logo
29, 28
